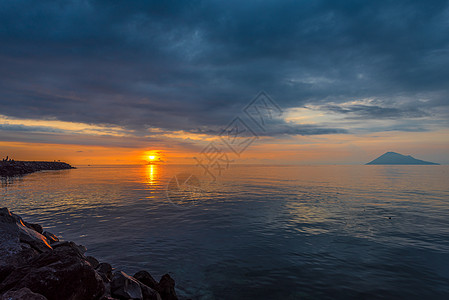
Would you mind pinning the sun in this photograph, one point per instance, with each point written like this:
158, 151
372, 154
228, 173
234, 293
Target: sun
153, 157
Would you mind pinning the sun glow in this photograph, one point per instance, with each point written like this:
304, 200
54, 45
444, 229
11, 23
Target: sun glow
153, 156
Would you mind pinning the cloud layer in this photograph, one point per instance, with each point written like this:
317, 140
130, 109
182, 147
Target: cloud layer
194, 65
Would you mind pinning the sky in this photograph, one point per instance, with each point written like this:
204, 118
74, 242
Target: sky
112, 82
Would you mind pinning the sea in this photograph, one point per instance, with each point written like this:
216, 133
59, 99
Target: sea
255, 231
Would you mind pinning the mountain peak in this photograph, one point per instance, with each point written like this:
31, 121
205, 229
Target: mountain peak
393, 158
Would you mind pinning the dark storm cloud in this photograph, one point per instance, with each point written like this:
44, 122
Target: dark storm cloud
289, 129
22, 128
376, 112
193, 65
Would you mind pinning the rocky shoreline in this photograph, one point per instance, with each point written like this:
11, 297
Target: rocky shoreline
36, 265
9, 168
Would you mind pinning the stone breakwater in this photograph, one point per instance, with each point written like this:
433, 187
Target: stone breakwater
35, 264
14, 168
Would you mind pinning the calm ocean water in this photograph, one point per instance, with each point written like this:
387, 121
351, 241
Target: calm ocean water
259, 232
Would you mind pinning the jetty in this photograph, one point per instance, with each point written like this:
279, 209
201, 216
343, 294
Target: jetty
9, 168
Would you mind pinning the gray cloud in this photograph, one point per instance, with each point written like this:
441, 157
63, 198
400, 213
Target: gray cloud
190, 65
376, 111
22, 128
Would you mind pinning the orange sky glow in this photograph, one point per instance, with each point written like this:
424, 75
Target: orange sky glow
322, 149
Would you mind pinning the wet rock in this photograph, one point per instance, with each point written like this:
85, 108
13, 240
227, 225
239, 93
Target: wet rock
66, 244
93, 261
149, 286
167, 288
22, 294
106, 269
147, 279
5, 271
149, 293
36, 227
33, 238
50, 237
31, 268
15, 238
58, 274
7, 217
124, 286
82, 248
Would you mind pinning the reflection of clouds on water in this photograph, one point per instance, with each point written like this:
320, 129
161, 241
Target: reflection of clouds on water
273, 228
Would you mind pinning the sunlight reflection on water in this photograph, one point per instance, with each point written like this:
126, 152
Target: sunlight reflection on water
273, 232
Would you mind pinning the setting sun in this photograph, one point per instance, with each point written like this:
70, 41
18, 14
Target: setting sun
153, 156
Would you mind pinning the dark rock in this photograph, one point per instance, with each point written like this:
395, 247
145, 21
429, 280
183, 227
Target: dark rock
25, 255
36, 227
31, 268
93, 261
7, 217
15, 238
106, 269
149, 286
149, 293
5, 271
167, 288
124, 286
34, 239
50, 237
147, 279
22, 294
66, 244
58, 274
82, 248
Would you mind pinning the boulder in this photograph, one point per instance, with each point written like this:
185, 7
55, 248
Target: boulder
124, 286
22, 294
149, 286
36, 227
50, 237
7, 217
58, 274
5, 271
167, 288
147, 279
93, 261
31, 237
35, 265
16, 238
106, 269
66, 244
149, 293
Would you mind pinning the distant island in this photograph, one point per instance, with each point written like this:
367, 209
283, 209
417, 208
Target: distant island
393, 158
9, 167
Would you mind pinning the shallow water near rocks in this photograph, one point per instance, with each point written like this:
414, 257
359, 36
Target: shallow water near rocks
259, 232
